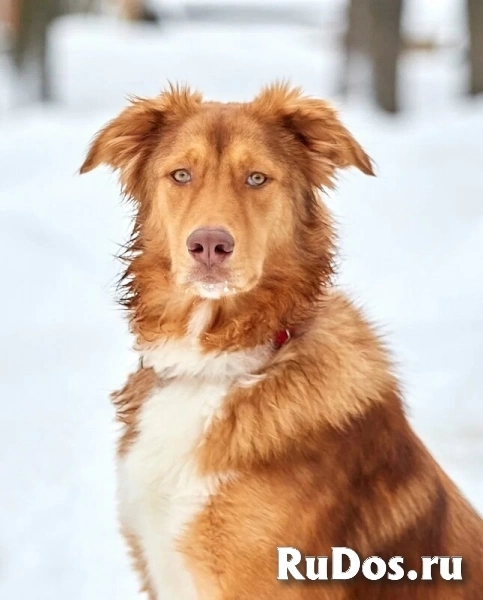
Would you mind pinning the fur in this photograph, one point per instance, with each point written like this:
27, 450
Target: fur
231, 447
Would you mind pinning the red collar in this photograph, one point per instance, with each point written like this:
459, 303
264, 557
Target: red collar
282, 337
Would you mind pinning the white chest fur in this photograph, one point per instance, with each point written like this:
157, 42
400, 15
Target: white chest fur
159, 488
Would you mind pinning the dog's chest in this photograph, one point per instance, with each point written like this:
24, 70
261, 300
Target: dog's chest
160, 490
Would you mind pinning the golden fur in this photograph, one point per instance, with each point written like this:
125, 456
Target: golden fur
321, 448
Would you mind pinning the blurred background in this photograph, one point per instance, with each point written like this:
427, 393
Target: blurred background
407, 76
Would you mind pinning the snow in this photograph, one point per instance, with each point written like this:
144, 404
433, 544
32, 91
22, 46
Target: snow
224, 61
442, 21
411, 251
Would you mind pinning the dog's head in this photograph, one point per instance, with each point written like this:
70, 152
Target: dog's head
226, 193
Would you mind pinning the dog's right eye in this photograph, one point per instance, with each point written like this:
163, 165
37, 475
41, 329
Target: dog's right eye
256, 179
181, 176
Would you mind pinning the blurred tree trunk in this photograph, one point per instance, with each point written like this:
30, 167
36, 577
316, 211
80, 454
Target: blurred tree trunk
385, 47
30, 45
374, 33
8, 13
138, 10
475, 23
356, 42
131, 9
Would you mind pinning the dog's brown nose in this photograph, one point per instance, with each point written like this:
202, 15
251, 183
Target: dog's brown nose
210, 246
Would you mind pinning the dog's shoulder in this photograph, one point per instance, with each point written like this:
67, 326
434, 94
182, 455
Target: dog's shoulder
345, 352
340, 322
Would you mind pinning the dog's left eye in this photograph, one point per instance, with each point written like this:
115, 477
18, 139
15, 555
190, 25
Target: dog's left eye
181, 176
256, 179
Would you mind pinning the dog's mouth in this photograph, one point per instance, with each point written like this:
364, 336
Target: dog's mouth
213, 289
217, 281
211, 283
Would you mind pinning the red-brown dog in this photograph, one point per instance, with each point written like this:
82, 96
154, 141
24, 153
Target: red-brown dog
265, 423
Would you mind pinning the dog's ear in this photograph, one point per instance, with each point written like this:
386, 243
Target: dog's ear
315, 124
127, 141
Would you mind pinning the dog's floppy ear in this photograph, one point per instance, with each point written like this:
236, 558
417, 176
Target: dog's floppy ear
315, 124
127, 141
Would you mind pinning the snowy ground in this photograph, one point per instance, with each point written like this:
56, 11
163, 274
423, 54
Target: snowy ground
412, 245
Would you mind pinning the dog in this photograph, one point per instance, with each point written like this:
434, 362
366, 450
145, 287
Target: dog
265, 413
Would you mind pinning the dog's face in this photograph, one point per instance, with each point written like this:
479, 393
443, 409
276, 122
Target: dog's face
225, 191
220, 200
